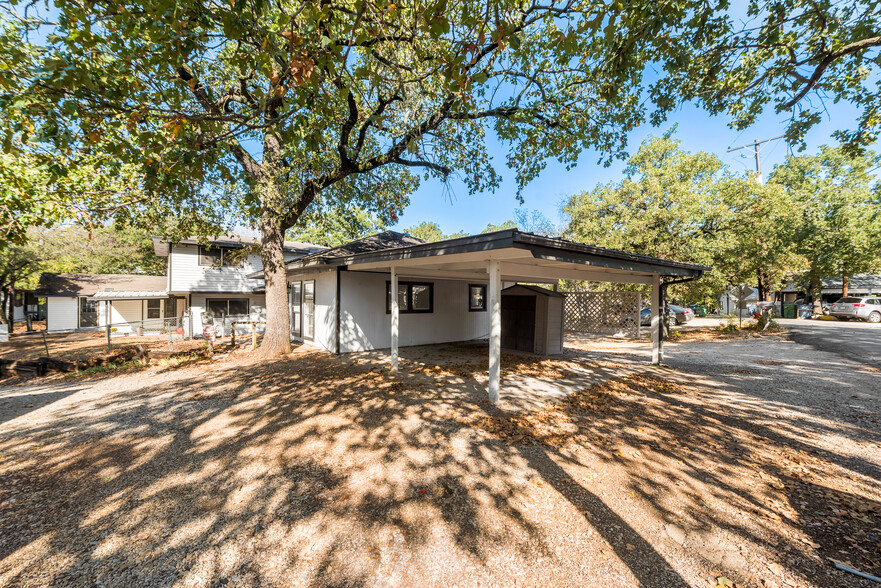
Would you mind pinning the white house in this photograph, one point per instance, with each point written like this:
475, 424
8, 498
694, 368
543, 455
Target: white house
201, 281
82, 301
340, 298
214, 280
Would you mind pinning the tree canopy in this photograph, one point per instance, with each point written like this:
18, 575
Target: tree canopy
835, 212
689, 207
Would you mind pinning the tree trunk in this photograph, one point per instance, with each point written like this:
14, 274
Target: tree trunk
844, 284
761, 286
277, 340
816, 293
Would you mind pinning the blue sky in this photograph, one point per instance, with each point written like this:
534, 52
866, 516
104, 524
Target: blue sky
456, 210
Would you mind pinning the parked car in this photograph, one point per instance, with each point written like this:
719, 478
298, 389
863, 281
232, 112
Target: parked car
676, 315
861, 308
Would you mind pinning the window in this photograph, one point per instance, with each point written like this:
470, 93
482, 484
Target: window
302, 302
228, 306
476, 297
221, 256
412, 297
153, 309
88, 312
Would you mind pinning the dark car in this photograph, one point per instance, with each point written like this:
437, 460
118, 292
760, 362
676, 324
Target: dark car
676, 315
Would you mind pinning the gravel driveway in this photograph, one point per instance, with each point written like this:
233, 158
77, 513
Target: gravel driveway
320, 470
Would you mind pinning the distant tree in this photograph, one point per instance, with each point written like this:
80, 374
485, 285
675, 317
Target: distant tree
105, 250
491, 228
17, 264
429, 231
835, 217
688, 207
534, 221
333, 227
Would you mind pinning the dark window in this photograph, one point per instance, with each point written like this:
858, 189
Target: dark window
476, 297
847, 300
297, 309
221, 256
412, 297
210, 256
88, 312
153, 309
228, 306
19, 298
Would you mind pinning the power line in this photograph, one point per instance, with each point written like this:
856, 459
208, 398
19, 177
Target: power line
755, 146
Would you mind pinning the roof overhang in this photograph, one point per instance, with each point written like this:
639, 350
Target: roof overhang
523, 257
112, 295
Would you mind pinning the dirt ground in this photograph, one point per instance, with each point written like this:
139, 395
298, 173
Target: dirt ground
747, 461
73, 346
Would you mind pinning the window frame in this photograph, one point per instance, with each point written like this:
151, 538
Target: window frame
158, 308
208, 302
300, 310
477, 309
409, 285
222, 259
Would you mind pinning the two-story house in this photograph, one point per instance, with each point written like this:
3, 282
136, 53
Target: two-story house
214, 278
199, 280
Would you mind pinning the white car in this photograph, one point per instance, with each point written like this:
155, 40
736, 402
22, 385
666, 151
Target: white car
852, 307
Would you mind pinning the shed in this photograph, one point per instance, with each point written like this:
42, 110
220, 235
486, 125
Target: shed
532, 320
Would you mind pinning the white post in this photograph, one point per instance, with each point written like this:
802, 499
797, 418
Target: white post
639, 315
394, 297
657, 355
495, 330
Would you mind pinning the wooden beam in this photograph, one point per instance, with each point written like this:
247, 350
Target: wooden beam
495, 330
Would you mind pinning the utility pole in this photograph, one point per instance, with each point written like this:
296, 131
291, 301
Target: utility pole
755, 147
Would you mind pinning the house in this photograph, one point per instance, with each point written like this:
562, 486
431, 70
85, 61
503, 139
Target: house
82, 301
201, 281
26, 303
341, 299
832, 289
213, 279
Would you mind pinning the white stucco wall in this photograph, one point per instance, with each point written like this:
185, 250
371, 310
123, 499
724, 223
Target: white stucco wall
366, 325
62, 313
18, 313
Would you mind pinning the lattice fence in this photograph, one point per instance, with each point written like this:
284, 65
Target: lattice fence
608, 313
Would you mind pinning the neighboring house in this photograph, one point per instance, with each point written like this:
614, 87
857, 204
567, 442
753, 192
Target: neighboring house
200, 282
27, 303
738, 297
213, 280
81, 301
833, 288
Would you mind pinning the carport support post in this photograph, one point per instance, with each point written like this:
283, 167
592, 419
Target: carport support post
657, 353
495, 330
395, 319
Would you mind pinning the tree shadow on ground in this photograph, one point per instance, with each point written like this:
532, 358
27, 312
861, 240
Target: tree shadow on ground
329, 471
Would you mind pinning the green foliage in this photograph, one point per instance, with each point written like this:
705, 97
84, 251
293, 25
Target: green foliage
335, 227
491, 228
688, 207
793, 54
428, 231
835, 216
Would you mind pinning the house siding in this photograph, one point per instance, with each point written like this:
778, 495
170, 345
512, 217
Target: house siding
186, 275
365, 325
62, 313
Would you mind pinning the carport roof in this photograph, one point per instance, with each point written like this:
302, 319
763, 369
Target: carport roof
524, 257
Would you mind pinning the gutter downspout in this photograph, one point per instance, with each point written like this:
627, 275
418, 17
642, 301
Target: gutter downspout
664, 299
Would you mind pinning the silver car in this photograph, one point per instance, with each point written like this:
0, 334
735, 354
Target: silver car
852, 307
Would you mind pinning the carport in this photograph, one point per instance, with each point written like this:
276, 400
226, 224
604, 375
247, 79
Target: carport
512, 256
